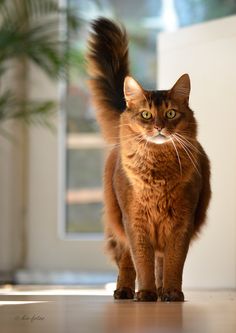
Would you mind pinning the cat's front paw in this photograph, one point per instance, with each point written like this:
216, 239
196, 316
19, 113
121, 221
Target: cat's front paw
146, 296
172, 295
124, 293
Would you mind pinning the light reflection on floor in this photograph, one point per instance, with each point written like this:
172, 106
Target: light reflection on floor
38, 290
4, 303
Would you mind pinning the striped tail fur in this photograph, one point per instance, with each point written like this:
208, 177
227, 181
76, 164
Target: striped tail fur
108, 65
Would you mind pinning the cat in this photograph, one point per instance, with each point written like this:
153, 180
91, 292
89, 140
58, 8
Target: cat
157, 175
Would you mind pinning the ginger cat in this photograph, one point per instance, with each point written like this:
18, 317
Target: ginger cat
157, 176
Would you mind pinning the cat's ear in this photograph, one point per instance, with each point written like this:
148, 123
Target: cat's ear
181, 89
133, 92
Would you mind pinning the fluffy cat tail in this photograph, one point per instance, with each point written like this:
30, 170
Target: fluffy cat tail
108, 65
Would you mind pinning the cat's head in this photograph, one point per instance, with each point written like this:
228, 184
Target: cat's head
159, 115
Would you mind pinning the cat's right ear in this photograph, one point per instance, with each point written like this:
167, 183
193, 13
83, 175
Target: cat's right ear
133, 92
181, 89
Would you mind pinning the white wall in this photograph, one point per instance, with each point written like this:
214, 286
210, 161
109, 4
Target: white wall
11, 210
207, 52
12, 187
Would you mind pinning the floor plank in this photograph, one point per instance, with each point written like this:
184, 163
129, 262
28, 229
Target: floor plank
71, 309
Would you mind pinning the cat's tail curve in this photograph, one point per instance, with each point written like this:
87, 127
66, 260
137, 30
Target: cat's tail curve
108, 65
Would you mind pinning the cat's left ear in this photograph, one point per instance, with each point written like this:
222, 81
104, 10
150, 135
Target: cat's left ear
133, 92
181, 89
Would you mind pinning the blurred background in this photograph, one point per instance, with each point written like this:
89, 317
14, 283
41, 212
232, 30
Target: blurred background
51, 151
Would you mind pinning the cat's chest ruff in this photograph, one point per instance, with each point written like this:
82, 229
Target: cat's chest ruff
146, 174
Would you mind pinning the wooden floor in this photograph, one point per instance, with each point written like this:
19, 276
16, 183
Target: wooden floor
44, 309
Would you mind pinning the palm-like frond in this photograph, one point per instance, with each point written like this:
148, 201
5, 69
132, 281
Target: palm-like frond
32, 112
29, 29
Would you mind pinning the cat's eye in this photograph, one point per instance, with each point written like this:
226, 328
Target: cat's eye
146, 115
170, 114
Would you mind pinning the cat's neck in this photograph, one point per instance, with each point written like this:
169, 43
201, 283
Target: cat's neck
150, 164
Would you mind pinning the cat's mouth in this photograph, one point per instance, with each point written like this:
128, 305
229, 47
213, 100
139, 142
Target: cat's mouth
158, 139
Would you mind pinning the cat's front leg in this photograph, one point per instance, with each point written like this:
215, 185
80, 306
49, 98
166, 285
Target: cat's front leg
144, 260
174, 257
159, 264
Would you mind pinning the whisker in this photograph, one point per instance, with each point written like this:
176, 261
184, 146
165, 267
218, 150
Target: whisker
148, 150
144, 152
186, 136
177, 153
120, 125
188, 148
188, 143
140, 150
188, 153
125, 140
126, 136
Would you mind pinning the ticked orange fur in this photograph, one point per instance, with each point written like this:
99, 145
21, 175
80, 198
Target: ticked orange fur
156, 180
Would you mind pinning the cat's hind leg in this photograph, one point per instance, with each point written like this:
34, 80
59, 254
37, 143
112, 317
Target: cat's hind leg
125, 287
117, 244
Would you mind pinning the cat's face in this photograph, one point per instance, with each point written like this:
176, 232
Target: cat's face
158, 116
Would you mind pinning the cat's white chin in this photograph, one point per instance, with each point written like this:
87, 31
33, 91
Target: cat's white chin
158, 139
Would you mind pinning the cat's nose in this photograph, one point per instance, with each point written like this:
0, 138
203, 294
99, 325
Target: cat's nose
159, 128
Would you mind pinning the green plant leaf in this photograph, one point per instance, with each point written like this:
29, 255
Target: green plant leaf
29, 29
